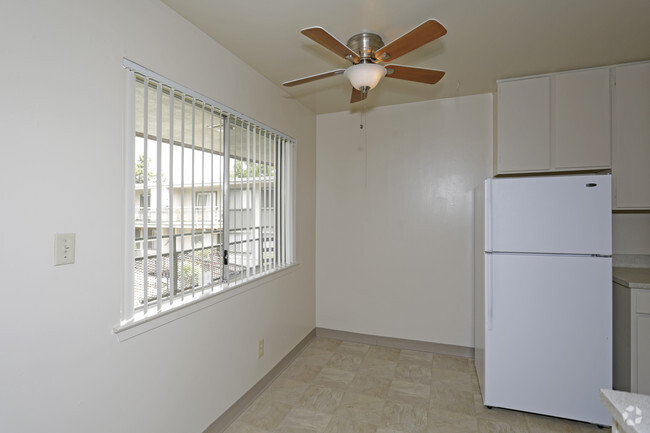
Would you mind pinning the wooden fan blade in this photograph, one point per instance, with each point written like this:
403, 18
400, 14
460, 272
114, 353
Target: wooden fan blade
422, 34
357, 95
313, 78
320, 35
421, 75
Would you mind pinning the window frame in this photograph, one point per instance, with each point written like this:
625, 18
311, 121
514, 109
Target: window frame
132, 322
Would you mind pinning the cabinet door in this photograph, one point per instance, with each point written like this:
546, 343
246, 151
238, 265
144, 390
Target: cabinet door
643, 354
524, 133
622, 337
581, 118
631, 147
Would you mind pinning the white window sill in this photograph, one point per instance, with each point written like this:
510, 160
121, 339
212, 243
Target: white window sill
141, 323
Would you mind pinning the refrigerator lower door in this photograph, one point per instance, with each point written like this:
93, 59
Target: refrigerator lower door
548, 335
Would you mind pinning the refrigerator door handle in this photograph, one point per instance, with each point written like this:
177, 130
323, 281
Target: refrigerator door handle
488, 215
488, 291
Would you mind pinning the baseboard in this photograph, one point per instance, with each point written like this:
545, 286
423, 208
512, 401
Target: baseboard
397, 343
234, 411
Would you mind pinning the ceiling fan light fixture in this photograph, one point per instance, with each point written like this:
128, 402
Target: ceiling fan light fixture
365, 75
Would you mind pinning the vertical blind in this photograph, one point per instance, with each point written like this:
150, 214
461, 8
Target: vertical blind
210, 196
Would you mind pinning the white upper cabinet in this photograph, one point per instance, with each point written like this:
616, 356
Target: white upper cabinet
524, 120
581, 119
631, 137
554, 122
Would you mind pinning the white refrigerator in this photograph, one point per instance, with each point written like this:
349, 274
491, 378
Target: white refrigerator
543, 294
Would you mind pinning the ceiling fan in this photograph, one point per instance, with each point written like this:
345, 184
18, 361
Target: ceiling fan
367, 50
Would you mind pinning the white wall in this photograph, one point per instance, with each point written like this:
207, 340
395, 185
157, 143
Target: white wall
62, 369
395, 218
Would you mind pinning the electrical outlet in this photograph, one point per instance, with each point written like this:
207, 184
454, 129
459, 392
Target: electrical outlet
260, 348
64, 248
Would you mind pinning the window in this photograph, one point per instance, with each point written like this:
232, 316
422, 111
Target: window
206, 199
210, 196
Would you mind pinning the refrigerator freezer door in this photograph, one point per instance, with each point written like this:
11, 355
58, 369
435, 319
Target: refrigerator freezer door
549, 349
558, 214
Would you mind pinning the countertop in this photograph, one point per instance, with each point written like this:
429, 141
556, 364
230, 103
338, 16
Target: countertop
634, 278
630, 412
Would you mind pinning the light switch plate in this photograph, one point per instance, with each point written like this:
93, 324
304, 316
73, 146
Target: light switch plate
64, 248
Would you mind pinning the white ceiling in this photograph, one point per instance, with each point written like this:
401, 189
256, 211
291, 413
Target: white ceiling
487, 40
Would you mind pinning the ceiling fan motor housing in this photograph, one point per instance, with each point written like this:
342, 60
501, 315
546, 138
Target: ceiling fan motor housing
365, 44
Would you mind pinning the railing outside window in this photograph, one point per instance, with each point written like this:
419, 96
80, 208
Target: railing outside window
205, 215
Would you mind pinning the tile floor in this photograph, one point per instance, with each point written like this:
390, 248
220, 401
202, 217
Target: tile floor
337, 386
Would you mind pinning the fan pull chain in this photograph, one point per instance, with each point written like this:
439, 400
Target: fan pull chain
365, 144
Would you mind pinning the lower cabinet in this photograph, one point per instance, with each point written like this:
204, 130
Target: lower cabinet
643, 353
631, 339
